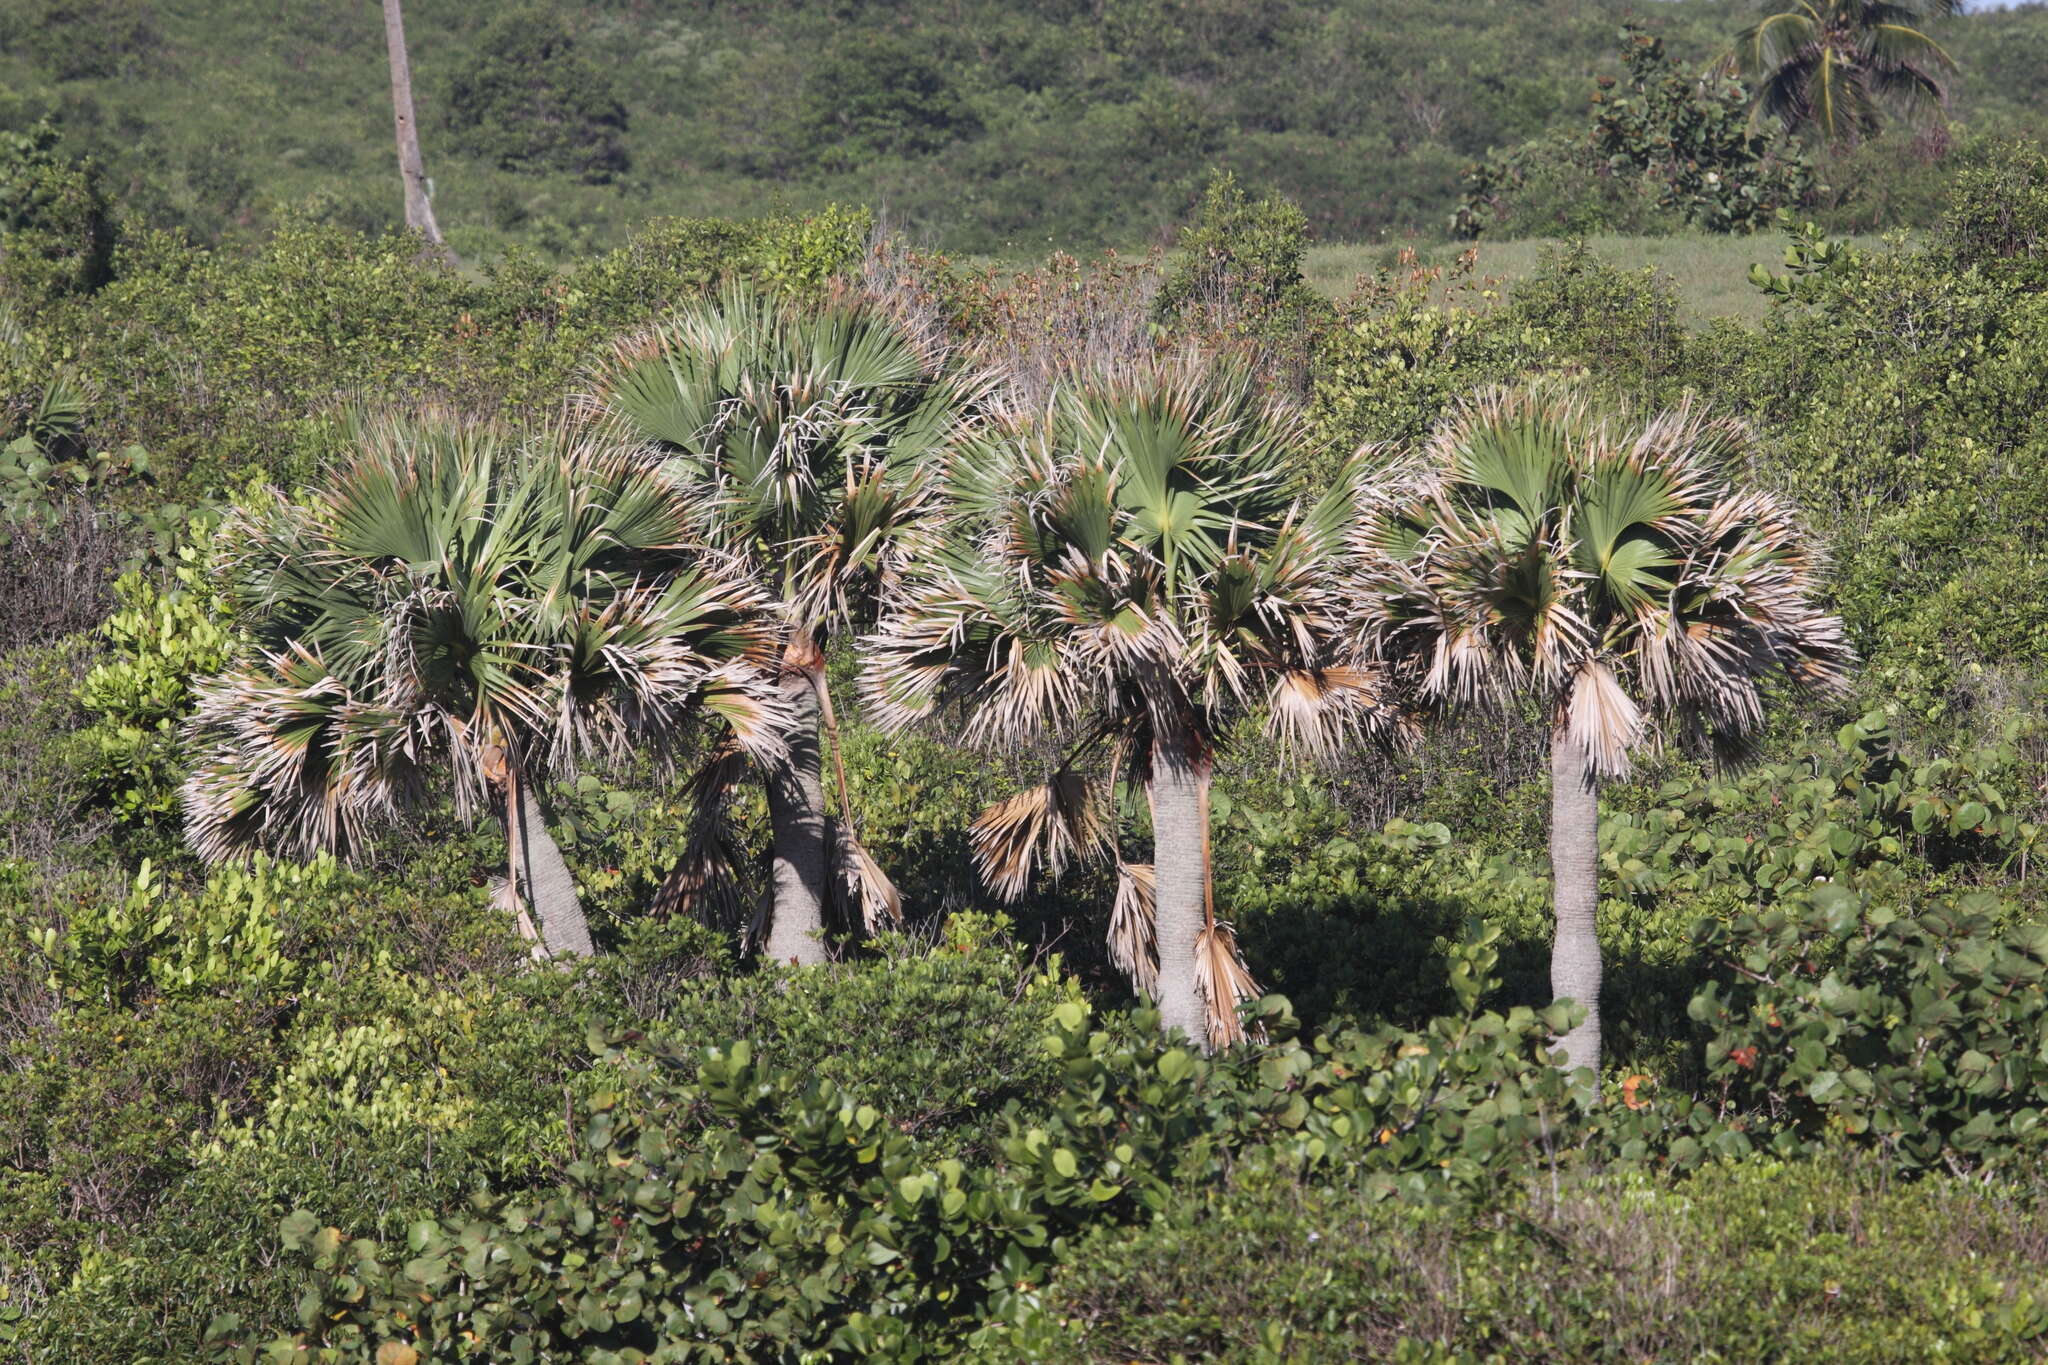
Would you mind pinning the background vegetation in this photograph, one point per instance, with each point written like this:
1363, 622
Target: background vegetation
977, 125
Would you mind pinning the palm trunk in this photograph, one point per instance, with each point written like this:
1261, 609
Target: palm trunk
544, 879
419, 212
1575, 875
797, 818
1180, 848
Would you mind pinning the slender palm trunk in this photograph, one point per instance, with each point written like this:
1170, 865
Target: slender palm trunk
797, 818
544, 879
1575, 874
1180, 849
419, 212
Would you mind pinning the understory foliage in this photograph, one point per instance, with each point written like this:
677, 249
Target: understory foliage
308, 1110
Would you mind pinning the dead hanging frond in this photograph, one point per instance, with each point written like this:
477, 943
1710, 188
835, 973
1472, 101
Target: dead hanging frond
866, 888
862, 882
505, 897
1053, 826
1602, 721
1133, 938
1224, 982
705, 883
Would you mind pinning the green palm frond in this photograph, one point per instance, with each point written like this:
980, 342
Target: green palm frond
1829, 66
463, 589
1648, 585
811, 441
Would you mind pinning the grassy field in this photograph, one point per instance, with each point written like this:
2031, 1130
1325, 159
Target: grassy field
1709, 273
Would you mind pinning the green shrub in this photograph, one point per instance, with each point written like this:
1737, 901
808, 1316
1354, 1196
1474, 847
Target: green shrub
1237, 270
1917, 1033
1763, 1261
57, 232
1997, 213
162, 640
873, 95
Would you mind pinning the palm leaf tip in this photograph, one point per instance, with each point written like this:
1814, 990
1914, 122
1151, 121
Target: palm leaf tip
868, 887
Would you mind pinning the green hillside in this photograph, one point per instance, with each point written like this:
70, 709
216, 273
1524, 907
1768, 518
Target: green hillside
983, 126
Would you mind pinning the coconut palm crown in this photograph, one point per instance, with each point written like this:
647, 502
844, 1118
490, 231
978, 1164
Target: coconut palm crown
461, 607
1829, 66
1142, 568
807, 444
1616, 573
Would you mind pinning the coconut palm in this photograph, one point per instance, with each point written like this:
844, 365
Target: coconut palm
807, 443
1829, 66
1146, 568
1621, 576
462, 608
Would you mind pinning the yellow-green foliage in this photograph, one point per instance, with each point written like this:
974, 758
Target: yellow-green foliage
163, 638
223, 939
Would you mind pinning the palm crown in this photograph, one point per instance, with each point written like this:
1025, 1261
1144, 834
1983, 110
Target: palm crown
463, 604
1141, 569
1538, 551
1829, 65
805, 439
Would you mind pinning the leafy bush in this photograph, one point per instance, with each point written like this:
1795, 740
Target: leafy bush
1666, 143
1919, 1033
1998, 209
57, 232
1237, 272
878, 94
163, 639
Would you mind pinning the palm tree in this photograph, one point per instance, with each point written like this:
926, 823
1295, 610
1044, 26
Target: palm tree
807, 444
1141, 567
461, 605
1829, 65
1613, 575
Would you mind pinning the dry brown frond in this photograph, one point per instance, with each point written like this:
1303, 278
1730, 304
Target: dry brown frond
1224, 983
1054, 825
866, 885
1602, 720
1133, 941
705, 882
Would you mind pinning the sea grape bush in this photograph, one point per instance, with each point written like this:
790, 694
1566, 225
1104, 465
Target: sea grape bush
1860, 813
719, 1209
1921, 1034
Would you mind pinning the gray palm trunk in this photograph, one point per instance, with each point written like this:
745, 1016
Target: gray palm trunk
1575, 876
1180, 880
419, 211
801, 832
545, 881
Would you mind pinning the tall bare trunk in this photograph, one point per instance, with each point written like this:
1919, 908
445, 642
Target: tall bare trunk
1180, 850
797, 818
544, 879
419, 212
1575, 875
